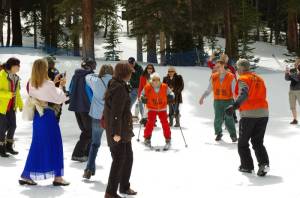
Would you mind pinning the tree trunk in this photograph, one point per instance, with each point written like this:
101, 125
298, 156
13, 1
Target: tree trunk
106, 26
162, 40
2, 17
257, 22
231, 47
292, 30
8, 28
151, 48
76, 37
16, 24
168, 50
271, 35
139, 44
35, 29
88, 29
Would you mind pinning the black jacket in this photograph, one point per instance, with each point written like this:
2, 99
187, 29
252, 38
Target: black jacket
79, 100
294, 77
117, 113
177, 85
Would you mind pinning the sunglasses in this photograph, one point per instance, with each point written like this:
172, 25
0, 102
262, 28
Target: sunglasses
155, 80
171, 71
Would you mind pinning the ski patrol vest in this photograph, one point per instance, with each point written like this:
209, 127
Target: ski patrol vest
257, 93
222, 91
156, 101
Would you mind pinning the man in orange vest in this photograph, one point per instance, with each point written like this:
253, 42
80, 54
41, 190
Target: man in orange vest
222, 84
156, 96
254, 112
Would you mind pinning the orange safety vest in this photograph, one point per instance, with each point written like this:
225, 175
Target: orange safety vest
156, 101
257, 94
222, 91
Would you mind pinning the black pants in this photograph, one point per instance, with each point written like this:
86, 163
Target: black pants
121, 167
82, 147
174, 109
7, 125
254, 129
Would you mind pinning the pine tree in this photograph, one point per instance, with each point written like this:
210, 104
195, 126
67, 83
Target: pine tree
246, 23
112, 41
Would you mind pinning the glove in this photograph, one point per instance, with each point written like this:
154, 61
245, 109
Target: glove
144, 100
230, 109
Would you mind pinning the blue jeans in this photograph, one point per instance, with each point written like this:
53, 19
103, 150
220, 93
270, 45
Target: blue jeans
133, 98
97, 132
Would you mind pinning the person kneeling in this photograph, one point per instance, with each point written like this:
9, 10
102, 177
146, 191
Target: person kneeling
156, 95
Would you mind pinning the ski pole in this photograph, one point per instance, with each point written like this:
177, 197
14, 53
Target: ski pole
180, 128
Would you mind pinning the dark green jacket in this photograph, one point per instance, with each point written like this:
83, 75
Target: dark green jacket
135, 78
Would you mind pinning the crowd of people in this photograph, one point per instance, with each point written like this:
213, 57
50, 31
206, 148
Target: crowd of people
104, 102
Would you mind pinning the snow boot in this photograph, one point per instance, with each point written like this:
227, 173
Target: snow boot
177, 119
171, 120
9, 147
245, 170
168, 145
263, 170
233, 138
147, 142
294, 121
219, 137
88, 173
107, 195
3, 150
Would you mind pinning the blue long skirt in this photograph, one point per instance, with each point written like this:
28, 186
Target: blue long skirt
45, 158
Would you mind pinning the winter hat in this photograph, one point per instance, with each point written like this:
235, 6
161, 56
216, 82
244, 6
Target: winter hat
88, 64
244, 64
154, 75
11, 62
131, 60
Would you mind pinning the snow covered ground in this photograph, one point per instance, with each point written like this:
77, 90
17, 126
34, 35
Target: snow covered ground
204, 169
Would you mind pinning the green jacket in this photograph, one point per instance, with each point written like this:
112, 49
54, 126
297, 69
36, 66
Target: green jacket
135, 78
6, 94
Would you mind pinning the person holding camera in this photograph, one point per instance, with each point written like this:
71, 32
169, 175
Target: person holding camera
293, 75
156, 96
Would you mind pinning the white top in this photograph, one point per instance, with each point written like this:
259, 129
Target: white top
48, 93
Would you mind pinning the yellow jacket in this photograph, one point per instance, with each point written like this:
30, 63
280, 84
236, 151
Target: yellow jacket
6, 94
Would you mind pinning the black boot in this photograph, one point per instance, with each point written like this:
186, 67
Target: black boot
3, 150
9, 147
170, 121
177, 119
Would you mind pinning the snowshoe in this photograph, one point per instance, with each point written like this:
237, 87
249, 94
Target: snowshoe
263, 170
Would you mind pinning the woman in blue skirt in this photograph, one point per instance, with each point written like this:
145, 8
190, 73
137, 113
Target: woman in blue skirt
45, 158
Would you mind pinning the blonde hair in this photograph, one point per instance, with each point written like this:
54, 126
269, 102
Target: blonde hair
106, 69
39, 73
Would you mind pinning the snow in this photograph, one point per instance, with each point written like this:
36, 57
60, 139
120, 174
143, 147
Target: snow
204, 169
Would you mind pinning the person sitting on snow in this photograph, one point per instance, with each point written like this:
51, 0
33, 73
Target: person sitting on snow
156, 96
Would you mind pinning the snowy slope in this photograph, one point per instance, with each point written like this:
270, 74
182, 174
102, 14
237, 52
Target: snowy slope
204, 169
